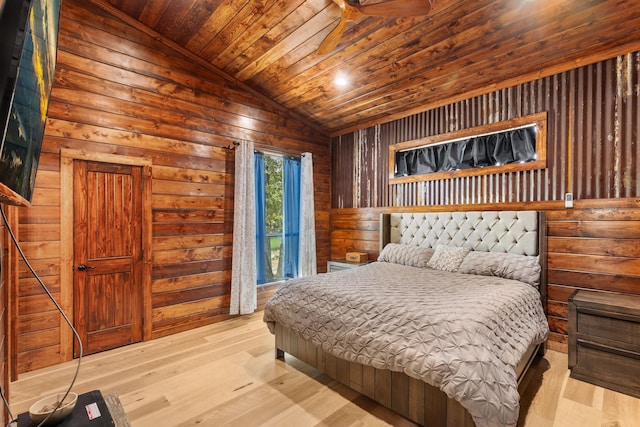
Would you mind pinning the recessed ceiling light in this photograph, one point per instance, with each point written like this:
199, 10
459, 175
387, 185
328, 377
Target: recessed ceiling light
341, 80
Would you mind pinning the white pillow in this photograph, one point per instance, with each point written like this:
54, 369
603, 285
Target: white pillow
447, 258
406, 255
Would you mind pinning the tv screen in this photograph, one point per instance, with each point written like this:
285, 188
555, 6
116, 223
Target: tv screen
29, 33
13, 22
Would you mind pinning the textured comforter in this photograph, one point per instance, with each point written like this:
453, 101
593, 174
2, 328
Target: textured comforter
462, 333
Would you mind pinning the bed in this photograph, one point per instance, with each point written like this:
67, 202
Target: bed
441, 328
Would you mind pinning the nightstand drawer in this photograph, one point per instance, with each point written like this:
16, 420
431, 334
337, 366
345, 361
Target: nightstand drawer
604, 340
608, 367
598, 324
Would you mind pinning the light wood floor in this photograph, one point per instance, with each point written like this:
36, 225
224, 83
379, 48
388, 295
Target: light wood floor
226, 375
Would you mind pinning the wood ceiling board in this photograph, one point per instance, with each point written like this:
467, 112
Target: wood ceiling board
397, 66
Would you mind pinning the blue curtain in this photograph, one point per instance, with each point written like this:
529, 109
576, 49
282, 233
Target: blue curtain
261, 238
291, 171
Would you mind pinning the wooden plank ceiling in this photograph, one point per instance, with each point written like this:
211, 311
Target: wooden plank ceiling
393, 66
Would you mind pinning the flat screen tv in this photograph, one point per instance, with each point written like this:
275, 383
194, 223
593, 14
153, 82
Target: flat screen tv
28, 44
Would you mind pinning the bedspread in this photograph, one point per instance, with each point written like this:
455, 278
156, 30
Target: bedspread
462, 333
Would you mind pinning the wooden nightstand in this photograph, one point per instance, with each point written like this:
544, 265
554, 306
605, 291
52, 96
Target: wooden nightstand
343, 265
604, 340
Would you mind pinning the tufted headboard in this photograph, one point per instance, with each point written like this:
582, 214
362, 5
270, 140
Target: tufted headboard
519, 232
493, 231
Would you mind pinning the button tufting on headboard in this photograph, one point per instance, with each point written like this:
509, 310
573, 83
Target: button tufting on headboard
494, 231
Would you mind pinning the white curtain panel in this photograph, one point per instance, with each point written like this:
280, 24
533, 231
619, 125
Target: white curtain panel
307, 253
244, 299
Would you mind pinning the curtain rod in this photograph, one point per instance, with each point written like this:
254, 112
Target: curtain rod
234, 144
273, 153
270, 152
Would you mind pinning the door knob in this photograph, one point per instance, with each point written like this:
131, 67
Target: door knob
83, 267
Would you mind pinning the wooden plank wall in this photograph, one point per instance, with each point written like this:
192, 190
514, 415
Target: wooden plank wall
119, 90
593, 248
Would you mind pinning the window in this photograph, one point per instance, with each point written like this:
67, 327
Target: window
512, 145
277, 217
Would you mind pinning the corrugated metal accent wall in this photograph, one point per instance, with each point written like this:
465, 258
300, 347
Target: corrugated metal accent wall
592, 143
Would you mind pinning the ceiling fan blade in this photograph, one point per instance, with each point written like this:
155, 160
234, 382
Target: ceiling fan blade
331, 41
393, 8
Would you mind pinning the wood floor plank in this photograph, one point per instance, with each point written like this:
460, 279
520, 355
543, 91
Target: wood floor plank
226, 375
575, 391
541, 390
619, 408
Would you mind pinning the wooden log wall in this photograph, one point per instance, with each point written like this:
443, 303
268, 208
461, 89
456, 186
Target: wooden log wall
592, 151
122, 90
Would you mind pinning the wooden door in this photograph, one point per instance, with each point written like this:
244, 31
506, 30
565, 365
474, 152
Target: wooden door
107, 255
